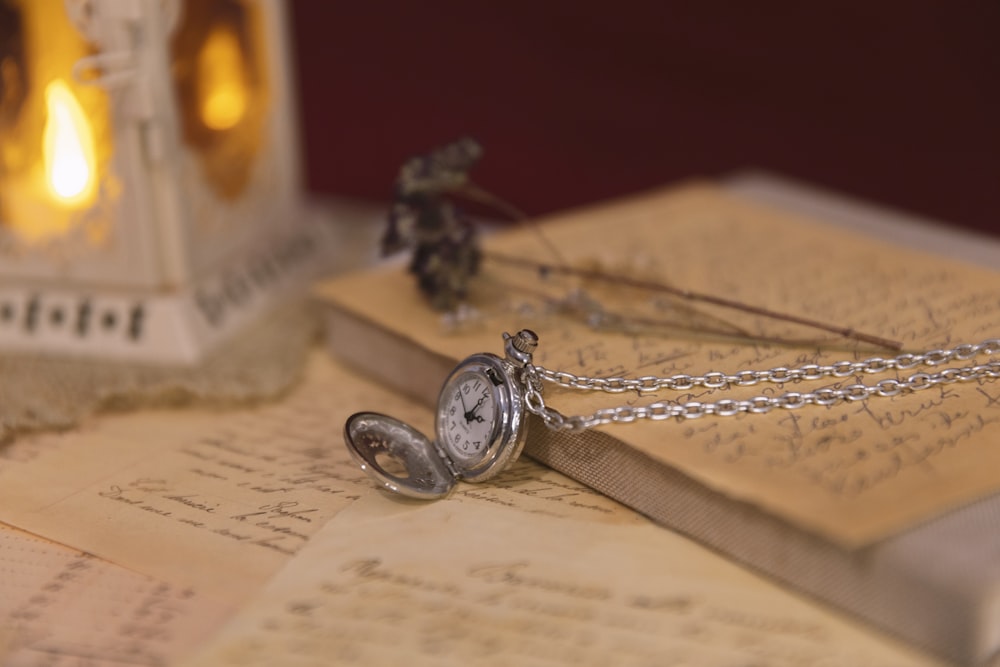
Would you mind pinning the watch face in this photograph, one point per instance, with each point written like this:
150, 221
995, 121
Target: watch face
469, 410
480, 418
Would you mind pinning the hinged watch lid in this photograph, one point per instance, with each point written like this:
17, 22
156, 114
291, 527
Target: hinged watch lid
370, 434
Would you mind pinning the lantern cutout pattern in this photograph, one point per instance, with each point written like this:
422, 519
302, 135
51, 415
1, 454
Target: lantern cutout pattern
150, 202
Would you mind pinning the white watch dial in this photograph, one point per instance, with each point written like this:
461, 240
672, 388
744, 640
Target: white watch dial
480, 418
469, 414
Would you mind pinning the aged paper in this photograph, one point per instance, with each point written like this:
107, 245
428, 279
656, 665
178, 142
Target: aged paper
855, 472
60, 606
434, 584
220, 501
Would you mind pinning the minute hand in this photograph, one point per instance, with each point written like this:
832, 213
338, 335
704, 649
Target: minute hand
464, 407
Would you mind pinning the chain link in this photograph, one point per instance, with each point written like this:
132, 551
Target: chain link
661, 410
778, 375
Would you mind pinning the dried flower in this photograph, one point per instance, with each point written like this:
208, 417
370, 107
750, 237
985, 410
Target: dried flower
444, 241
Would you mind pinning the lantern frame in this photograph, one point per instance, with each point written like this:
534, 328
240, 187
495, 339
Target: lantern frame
181, 268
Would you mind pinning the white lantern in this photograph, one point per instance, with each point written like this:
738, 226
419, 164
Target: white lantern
149, 187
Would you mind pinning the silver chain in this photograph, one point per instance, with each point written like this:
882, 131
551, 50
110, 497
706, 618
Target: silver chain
661, 410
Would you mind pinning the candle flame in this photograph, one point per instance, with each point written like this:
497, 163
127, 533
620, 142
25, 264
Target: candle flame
222, 80
68, 147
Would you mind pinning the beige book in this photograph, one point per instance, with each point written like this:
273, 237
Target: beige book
885, 507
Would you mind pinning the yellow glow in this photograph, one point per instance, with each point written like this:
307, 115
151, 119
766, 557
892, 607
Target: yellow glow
68, 148
222, 85
56, 138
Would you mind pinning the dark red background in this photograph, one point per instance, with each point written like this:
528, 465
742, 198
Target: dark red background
897, 101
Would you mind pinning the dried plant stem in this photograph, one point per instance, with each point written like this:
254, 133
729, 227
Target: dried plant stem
473, 192
597, 275
632, 323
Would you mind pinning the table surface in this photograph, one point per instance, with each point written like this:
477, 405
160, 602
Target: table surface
534, 568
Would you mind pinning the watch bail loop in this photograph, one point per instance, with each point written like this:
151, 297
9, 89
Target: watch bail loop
520, 347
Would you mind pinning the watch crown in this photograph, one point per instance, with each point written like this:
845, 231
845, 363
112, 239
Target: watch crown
520, 346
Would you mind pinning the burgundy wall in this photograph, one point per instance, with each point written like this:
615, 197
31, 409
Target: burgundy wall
575, 101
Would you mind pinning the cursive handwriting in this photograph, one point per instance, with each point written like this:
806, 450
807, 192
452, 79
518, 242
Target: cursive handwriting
71, 608
514, 574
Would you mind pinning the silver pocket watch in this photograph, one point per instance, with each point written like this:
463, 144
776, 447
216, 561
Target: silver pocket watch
479, 424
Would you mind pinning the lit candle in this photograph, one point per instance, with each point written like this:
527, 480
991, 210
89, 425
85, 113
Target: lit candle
68, 148
55, 150
222, 85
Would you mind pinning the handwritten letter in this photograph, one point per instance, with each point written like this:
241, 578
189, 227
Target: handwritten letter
438, 584
65, 607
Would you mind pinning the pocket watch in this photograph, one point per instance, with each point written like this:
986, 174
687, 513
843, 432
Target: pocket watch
480, 424
479, 427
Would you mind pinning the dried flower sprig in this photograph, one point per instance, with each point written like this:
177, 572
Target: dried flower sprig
446, 254
444, 241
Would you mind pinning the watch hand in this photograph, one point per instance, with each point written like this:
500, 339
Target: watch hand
466, 413
471, 414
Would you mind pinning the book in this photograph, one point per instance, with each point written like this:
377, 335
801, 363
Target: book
886, 508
